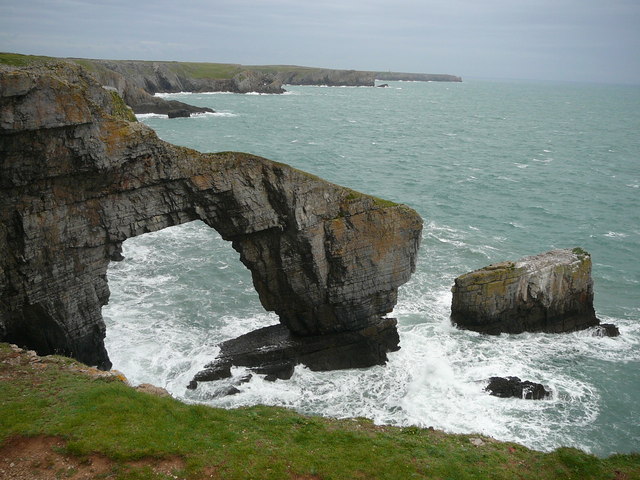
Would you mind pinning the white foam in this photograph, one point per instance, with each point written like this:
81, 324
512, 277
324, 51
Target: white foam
615, 235
436, 379
171, 94
141, 116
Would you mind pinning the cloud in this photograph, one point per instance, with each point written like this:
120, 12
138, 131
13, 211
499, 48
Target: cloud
527, 38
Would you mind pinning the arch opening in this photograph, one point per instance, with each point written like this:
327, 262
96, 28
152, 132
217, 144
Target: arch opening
177, 294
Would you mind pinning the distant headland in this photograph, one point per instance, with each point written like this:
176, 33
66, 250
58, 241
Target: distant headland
137, 81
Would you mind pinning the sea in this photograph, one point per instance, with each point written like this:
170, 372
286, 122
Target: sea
498, 170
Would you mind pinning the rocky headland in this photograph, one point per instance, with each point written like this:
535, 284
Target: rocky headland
78, 176
550, 292
137, 81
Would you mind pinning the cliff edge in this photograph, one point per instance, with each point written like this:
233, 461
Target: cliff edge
78, 177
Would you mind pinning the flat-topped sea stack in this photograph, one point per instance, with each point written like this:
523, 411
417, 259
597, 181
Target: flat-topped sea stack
78, 176
551, 292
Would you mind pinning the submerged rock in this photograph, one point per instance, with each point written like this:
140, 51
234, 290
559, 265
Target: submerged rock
514, 387
180, 113
551, 292
77, 178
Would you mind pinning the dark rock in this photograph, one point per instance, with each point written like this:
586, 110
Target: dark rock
160, 106
514, 387
244, 379
551, 292
275, 351
115, 252
606, 330
225, 391
276, 371
77, 178
182, 113
213, 372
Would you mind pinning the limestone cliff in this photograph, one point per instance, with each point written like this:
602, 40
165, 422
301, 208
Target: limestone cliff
550, 292
417, 77
77, 178
138, 81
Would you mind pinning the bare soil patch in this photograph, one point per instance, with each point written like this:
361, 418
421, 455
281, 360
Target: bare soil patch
43, 458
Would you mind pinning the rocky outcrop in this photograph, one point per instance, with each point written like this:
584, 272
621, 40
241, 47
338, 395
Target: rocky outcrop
137, 82
77, 178
325, 76
550, 292
132, 90
606, 330
513, 387
274, 351
134, 79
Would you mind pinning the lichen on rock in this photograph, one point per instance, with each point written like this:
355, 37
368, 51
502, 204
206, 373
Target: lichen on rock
550, 292
77, 179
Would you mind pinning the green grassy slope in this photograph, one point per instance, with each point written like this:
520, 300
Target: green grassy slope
106, 417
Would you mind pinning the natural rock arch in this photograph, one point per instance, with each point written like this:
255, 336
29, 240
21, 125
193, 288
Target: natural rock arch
77, 178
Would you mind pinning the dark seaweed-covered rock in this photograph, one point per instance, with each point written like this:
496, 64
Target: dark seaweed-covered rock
606, 330
181, 113
275, 351
514, 387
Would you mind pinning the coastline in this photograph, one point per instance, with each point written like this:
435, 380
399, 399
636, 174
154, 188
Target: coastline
91, 423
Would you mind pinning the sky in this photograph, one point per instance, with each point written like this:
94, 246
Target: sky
557, 40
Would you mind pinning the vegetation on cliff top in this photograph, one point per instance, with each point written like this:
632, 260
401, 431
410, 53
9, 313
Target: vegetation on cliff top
102, 427
219, 71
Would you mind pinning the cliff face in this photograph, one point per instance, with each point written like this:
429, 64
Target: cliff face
137, 81
325, 76
77, 178
417, 77
550, 292
172, 77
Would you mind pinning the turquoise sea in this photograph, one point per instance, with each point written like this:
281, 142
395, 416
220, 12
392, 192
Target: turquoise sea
498, 171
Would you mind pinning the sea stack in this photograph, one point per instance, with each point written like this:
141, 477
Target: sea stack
551, 292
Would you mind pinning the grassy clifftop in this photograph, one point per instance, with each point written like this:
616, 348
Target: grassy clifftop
59, 419
224, 71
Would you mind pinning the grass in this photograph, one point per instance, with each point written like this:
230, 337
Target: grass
18, 60
205, 70
580, 252
106, 417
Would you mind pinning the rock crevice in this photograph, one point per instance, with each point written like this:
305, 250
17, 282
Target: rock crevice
77, 178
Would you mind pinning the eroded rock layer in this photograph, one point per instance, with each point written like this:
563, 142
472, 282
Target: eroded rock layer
550, 292
77, 178
275, 351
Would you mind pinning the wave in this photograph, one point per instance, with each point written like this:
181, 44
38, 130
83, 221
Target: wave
171, 94
142, 116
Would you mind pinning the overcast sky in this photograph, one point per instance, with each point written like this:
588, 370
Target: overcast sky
575, 40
